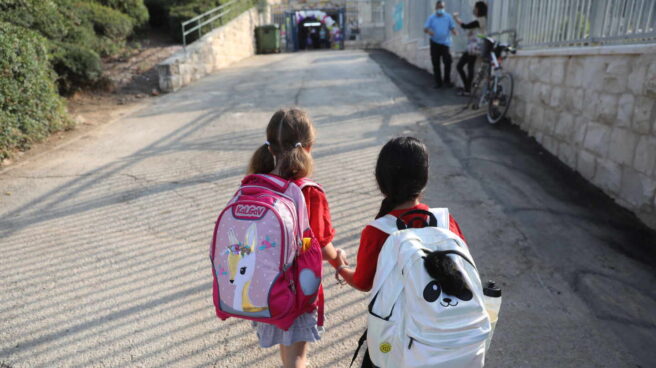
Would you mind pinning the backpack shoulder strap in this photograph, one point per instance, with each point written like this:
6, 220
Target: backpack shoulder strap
305, 182
267, 181
442, 216
386, 224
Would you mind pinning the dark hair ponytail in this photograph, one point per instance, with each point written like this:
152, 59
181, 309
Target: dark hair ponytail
401, 172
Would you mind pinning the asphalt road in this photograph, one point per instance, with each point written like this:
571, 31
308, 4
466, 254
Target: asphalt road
104, 240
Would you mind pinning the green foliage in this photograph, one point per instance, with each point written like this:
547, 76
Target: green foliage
30, 107
79, 32
105, 21
110, 27
172, 13
76, 66
136, 9
183, 12
41, 16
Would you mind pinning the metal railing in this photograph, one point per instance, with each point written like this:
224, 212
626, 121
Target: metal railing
507, 36
560, 23
212, 18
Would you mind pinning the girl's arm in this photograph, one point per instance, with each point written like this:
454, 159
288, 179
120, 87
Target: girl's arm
470, 25
348, 275
333, 257
362, 278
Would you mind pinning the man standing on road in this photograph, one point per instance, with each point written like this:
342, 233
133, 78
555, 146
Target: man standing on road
439, 27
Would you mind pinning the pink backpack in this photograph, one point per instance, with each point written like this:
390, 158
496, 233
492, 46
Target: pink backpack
266, 262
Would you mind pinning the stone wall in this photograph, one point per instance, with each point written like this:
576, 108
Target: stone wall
592, 107
595, 109
215, 50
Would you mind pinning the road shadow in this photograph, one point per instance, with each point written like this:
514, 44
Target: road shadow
571, 226
495, 152
111, 262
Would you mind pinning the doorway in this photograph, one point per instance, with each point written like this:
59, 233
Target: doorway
315, 29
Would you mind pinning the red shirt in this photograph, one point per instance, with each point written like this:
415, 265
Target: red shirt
371, 242
319, 215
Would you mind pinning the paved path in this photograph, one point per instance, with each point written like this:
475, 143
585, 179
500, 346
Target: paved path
104, 241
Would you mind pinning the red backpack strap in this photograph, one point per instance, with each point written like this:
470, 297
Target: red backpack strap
320, 308
305, 182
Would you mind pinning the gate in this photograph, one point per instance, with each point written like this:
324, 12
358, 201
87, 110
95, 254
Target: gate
291, 21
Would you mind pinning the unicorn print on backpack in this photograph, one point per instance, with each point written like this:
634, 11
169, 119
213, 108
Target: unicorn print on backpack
242, 269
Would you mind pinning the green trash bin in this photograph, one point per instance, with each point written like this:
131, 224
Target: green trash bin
267, 38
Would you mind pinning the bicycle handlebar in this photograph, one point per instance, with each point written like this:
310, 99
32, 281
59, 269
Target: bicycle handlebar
512, 32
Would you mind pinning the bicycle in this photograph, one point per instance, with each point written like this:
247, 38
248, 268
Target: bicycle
492, 86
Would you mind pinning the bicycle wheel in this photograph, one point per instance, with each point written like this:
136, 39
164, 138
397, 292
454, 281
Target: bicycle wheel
499, 98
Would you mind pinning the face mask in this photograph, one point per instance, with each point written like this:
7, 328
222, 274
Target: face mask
440, 11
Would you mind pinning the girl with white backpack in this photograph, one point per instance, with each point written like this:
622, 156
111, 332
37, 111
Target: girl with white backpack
426, 304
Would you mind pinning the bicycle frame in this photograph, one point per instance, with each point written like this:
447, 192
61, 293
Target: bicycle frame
487, 83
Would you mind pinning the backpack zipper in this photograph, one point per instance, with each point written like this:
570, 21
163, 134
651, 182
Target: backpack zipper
411, 341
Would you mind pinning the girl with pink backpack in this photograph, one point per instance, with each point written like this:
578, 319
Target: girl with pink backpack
270, 240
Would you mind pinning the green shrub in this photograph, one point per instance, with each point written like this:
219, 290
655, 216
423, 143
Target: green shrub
104, 21
80, 32
77, 67
43, 16
30, 107
135, 9
101, 29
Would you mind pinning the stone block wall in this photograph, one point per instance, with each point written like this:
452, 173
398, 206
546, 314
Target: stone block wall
595, 109
592, 107
215, 50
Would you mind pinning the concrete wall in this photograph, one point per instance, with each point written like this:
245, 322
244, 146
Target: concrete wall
592, 107
595, 109
215, 50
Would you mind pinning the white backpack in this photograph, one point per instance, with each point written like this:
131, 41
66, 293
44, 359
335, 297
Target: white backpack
411, 321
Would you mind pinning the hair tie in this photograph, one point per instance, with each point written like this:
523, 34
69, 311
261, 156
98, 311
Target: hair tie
267, 143
298, 144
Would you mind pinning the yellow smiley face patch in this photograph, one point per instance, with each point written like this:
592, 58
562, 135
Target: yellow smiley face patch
385, 347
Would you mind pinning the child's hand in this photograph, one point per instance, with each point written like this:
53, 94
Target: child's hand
335, 256
341, 256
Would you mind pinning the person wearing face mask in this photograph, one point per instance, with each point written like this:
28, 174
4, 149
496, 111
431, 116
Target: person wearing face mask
440, 26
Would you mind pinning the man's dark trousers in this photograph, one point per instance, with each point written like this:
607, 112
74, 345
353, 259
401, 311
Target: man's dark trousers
439, 51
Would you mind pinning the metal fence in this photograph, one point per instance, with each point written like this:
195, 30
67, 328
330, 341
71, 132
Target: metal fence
561, 23
195, 27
